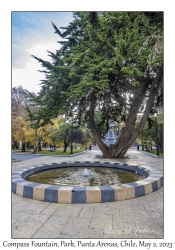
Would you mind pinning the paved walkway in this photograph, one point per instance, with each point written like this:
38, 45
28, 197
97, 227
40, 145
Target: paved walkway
137, 218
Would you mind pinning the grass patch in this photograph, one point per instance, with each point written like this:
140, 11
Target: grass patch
20, 151
47, 152
153, 152
59, 152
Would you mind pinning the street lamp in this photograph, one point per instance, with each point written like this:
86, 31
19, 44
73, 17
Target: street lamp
86, 139
142, 141
71, 146
157, 147
139, 117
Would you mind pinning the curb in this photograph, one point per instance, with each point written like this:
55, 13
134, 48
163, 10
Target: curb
156, 156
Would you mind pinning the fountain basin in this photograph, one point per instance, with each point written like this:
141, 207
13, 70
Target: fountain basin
85, 194
80, 176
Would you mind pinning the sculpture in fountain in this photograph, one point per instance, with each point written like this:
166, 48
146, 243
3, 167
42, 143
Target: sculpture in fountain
111, 137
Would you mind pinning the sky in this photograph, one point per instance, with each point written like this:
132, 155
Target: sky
33, 34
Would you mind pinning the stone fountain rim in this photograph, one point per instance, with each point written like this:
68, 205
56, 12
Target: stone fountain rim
85, 194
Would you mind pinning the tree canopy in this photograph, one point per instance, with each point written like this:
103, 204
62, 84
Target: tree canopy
111, 63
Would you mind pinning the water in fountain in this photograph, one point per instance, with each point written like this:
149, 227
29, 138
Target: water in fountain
86, 172
77, 176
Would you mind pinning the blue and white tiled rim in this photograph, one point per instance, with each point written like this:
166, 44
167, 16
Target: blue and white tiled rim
65, 194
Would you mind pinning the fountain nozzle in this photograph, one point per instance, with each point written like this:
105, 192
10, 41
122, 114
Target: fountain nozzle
86, 172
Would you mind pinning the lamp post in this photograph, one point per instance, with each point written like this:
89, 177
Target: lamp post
139, 117
86, 140
157, 147
142, 142
71, 146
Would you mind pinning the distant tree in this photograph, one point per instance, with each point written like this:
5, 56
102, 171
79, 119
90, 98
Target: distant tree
22, 132
87, 137
41, 134
20, 125
148, 134
67, 132
20, 97
52, 138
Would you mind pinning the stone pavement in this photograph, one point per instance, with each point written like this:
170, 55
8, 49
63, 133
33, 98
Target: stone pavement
136, 218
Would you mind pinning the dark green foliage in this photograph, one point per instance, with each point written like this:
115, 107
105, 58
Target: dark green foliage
148, 134
106, 62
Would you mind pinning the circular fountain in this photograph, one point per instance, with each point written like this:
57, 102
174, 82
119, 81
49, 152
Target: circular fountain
85, 182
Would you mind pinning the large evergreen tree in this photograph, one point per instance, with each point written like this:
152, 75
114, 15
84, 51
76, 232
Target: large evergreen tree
111, 63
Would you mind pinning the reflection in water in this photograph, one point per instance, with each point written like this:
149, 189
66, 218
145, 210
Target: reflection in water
74, 176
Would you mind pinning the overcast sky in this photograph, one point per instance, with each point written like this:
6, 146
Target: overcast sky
33, 34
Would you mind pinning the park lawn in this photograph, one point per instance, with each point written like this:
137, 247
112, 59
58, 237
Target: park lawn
154, 152
20, 151
47, 152
59, 152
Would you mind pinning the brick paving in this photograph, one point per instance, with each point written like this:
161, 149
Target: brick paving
136, 218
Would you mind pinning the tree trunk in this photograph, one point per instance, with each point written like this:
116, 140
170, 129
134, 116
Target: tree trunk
129, 132
103, 147
23, 147
16, 144
160, 137
39, 146
35, 144
35, 149
65, 146
28, 145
